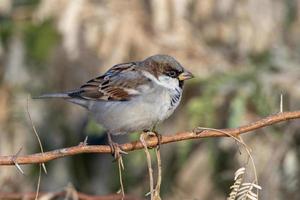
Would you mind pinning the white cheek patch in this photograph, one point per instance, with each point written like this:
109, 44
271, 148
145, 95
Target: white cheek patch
163, 80
168, 82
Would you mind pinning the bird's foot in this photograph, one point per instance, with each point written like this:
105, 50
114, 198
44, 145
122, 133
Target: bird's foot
155, 134
116, 150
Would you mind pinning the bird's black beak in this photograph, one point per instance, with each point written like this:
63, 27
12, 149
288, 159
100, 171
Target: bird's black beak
185, 76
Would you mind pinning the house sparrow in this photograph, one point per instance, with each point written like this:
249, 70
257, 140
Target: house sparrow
132, 96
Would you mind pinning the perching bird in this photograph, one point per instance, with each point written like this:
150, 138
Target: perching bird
132, 96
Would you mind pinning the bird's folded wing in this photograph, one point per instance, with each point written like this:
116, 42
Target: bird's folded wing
120, 83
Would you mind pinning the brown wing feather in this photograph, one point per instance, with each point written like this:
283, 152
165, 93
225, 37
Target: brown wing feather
119, 83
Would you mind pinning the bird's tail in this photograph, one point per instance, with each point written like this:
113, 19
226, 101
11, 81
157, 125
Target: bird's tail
53, 95
71, 96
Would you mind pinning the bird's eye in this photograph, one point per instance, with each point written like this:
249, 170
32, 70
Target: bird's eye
172, 74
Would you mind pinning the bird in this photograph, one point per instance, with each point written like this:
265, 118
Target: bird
131, 97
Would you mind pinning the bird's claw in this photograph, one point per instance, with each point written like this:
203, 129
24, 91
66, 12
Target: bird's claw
116, 150
155, 134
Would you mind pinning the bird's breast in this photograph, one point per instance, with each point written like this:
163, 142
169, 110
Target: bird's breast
139, 113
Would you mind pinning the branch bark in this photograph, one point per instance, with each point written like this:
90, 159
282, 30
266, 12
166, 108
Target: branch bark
152, 142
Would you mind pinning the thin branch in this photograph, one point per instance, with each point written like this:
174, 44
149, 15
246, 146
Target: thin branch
149, 164
41, 165
36, 135
152, 142
120, 168
159, 174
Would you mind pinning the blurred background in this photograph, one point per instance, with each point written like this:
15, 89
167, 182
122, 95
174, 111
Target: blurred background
244, 53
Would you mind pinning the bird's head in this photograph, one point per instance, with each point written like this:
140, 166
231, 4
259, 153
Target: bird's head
168, 71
